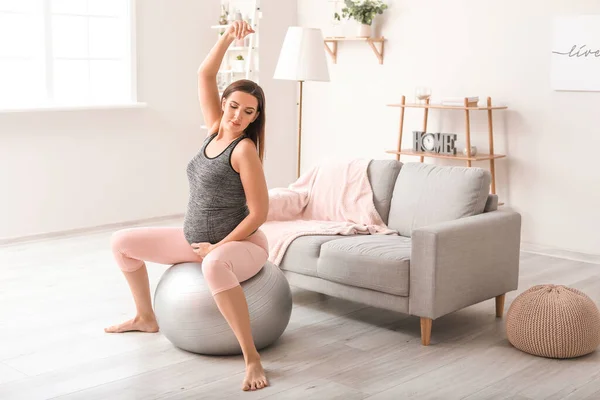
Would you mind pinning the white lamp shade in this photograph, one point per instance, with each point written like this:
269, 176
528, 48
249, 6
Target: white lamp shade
302, 56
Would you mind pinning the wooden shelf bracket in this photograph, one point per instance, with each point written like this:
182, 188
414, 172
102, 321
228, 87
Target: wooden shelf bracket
378, 53
371, 41
332, 51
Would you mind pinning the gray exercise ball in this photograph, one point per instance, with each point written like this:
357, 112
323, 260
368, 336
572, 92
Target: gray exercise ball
189, 317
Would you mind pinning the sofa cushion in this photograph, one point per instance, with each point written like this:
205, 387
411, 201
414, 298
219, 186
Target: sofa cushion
302, 254
427, 194
377, 262
492, 203
382, 175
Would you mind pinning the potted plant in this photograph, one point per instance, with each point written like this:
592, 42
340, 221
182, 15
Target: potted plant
238, 64
363, 12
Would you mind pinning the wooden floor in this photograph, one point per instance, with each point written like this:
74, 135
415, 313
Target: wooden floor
56, 297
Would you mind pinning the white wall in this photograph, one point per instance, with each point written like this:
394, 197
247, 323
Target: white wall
470, 47
280, 142
69, 170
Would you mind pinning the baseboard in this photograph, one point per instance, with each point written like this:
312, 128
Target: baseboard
88, 230
560, 253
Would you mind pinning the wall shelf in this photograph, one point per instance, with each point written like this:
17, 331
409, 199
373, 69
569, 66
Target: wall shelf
371, 41
230, 69
241, 48
478, 157
446, 107
466, 108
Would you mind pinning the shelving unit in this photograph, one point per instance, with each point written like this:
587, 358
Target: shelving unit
491, 156
371, 41
227, 74
249, 50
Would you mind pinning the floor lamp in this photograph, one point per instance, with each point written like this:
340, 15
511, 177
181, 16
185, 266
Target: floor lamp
302, 58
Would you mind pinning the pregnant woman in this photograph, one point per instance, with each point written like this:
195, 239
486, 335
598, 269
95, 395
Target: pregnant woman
228, 203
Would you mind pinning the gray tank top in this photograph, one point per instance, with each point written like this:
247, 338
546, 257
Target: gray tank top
217, 202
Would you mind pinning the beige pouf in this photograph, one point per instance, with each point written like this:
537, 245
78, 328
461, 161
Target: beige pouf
553, 321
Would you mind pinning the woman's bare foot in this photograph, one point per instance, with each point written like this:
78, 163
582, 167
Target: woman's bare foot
137, 324
255, 376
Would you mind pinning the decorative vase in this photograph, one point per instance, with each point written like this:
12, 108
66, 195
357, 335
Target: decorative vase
364, 30
238, 15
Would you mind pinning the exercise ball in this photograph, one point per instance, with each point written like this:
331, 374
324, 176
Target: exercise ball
188, 315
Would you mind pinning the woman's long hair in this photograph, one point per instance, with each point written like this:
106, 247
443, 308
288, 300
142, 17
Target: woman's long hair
256, 129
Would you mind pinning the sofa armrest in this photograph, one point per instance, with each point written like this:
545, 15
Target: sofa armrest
462, 262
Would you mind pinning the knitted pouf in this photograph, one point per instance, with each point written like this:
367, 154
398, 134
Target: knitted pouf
553, 321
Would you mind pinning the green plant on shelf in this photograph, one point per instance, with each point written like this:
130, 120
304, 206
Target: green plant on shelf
240, 57
363, 11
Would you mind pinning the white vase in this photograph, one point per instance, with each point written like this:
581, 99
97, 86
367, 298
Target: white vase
364, 30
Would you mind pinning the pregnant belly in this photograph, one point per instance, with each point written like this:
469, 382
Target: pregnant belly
212, 226
195, 228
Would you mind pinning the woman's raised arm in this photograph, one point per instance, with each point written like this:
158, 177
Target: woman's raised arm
208, 93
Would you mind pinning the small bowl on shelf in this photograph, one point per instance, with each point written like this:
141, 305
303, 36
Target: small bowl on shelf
473, 151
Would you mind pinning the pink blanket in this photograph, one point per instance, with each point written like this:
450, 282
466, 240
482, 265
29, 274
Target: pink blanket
333, 199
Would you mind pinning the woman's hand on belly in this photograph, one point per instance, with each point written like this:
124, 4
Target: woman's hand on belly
202, 249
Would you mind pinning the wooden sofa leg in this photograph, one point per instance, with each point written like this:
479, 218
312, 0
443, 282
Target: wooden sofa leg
500, 305
425, 331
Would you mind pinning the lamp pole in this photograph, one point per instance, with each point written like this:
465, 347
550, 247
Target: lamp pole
302, 58
299, 132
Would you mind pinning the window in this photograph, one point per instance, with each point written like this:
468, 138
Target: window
65, 53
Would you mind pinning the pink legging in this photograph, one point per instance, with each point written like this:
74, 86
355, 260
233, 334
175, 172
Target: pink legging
223, 268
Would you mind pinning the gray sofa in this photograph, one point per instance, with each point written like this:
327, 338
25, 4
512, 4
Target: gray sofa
454, 248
